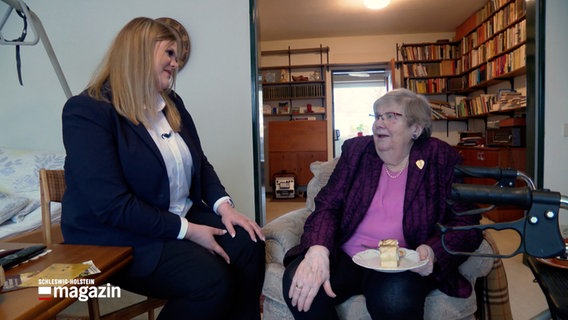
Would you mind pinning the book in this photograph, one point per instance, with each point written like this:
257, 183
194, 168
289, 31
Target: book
509, 99
442, 110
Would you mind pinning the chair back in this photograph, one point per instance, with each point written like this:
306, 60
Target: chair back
51, 187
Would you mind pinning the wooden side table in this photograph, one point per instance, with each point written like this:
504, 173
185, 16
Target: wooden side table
25, 303
554, 284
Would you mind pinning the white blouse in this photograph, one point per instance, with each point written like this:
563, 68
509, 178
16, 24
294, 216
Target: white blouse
179, 164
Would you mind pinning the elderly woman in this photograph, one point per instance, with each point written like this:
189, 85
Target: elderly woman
392, 185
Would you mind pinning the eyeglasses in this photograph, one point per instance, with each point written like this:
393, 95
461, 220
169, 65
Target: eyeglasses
387, 116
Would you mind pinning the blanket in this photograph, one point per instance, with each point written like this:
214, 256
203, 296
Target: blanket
495, 290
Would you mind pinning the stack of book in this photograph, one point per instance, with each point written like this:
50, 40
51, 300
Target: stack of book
483, 104
511, 100
471, 139
442, 110
476, 106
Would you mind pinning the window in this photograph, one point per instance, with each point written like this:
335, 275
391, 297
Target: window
354, 92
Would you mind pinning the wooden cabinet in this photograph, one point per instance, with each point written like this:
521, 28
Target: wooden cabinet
484, 157
294, 145
514, 158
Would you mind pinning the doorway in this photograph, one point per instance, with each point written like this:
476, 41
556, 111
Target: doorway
535, 100
354, 92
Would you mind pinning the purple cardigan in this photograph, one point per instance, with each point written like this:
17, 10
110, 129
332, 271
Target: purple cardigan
342, 203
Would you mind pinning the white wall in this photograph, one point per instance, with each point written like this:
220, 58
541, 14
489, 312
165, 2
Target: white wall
363, 49
215, 83
556, 109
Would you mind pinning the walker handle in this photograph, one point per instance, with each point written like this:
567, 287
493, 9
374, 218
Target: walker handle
520, 197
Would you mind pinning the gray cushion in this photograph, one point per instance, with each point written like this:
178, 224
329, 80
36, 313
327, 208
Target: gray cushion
322, 171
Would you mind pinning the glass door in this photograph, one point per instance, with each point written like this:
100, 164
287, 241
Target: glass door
354, 92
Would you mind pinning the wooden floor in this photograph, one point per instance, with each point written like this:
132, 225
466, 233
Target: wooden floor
278, 207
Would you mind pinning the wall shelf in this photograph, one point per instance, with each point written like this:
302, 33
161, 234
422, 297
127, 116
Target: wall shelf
490, 51
294, 89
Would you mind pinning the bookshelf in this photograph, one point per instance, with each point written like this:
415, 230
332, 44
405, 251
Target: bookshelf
495, 49
293, 83
492, 51
489, 49
428, 68
294, 88
477, 69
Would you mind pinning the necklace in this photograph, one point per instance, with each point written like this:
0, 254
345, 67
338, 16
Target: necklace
396, 174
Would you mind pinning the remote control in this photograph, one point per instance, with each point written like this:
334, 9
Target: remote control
14, 259
8, 252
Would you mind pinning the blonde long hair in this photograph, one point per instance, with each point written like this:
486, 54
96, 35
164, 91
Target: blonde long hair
128, 67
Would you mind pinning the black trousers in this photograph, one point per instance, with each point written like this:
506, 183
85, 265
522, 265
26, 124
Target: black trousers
388, 296
200, 285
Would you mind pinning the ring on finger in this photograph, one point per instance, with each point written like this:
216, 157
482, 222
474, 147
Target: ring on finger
299, 287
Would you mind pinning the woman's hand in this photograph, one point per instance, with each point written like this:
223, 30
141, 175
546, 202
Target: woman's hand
231, 217
311, 273
205, 237
425, 252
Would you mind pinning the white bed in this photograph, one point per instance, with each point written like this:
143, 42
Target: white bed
20, 211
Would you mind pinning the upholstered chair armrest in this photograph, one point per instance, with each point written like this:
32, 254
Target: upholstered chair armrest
284, 233
475, 267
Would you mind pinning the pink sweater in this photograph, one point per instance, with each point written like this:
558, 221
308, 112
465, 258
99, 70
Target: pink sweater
383, 219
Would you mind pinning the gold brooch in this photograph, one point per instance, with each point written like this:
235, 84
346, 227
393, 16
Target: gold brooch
420, 164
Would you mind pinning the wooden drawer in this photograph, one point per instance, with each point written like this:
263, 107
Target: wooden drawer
294, 145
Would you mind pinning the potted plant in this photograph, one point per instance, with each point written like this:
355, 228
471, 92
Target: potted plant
360, 128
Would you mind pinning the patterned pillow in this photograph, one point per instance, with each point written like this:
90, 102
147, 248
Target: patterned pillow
322, 171
29, 208
19, 176
10, 205
19, 170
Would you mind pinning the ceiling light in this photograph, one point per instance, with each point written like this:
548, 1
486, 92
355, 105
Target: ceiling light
359, 74
376, 4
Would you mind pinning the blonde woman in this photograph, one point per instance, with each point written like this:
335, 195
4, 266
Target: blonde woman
137, 176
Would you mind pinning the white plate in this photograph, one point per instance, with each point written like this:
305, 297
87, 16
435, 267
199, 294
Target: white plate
371, 259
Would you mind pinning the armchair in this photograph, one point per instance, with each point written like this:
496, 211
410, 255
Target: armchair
284, 232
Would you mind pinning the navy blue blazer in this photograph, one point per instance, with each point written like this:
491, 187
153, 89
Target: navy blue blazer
117, 185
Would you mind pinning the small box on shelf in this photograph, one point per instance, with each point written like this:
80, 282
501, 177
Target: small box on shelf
318, 109
283, 108
284, 75
268, 76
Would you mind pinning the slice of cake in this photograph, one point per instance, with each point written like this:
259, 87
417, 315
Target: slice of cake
388, 251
